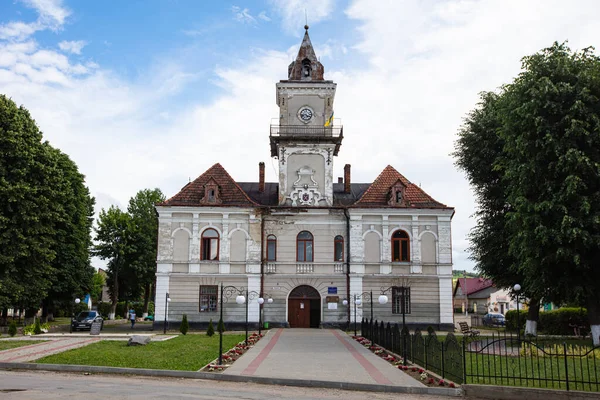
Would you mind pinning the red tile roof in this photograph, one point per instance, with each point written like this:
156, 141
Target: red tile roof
474, 285
378, 193
230, 192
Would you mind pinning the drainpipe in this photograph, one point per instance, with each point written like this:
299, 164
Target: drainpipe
262, 259
347, 261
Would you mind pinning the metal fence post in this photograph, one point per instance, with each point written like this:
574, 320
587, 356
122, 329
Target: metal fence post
443, 371
464, 360
566, 365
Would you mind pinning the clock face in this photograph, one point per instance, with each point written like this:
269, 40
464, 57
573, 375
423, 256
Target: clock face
305, 114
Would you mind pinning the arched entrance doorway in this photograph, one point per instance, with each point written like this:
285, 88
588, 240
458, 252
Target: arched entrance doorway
304, 307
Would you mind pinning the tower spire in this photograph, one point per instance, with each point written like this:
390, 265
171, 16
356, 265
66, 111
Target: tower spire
306, 67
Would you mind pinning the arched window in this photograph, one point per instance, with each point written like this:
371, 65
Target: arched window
338, 248
210, 245
400, 246
304, 246
271, 248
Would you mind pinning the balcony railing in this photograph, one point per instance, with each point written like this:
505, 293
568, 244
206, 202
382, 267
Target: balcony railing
335, 131
304, 268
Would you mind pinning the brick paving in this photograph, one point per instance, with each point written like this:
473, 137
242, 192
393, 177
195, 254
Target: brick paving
319, 355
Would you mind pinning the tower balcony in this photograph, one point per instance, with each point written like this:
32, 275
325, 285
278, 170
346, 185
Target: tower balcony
309, 134
301, 131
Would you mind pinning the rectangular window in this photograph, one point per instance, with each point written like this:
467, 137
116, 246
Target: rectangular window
398, 302
208, 298
301, 246
210, 249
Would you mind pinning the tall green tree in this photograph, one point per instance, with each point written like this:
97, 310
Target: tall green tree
73, 269
145, 221
549, 122
478, 152
45, 212
115, 243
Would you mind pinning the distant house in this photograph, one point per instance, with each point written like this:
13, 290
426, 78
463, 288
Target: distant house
482, 296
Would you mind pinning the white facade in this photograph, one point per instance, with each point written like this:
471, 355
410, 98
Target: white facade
306, 242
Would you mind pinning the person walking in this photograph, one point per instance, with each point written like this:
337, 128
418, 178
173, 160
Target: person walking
132, 317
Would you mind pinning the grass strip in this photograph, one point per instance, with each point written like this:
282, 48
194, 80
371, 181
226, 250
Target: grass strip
183, 353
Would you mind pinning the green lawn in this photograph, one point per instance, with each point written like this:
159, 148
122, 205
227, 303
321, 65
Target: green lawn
187, 353
12, 344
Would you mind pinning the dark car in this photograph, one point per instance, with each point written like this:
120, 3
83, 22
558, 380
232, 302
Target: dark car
84, 320
493, 319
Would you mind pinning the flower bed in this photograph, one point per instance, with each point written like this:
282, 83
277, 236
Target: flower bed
426, 377
233, 354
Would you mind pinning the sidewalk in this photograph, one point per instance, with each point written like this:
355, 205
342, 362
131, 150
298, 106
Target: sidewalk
318, 355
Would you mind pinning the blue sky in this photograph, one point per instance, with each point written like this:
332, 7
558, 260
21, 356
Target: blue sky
146, 94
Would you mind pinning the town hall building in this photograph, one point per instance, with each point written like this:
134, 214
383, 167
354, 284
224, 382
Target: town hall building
319, 251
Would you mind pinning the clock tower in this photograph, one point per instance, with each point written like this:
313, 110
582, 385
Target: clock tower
305, 139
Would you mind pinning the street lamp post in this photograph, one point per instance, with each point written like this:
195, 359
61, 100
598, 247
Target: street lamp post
383, 299
226, 293
517, 289
77, 301
357, 302
167, 300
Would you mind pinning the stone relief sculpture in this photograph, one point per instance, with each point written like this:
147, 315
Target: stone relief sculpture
305, 190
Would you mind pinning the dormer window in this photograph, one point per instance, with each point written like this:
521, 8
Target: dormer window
397, 194
211, 193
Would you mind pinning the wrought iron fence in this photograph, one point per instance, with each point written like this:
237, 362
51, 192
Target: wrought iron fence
554, 364
443, 358
495, 359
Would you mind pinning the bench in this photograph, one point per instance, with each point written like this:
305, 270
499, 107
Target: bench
467, 331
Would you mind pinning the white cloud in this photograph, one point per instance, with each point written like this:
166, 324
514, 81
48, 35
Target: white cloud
263, 15
51, 15
292, 12
242, 15
73, 46
426, 63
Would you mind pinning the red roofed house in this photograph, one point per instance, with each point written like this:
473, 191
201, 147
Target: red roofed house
306, 241
482, 296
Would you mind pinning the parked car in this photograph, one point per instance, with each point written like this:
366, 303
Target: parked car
493, 319
84, 320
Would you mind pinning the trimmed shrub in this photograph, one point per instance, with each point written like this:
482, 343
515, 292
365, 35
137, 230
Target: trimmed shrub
511, 320
211, 329
37, 329
557, 322
184, 325
104, 309
220, 326
12, 328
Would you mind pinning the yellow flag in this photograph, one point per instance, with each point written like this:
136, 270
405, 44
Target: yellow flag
329, 121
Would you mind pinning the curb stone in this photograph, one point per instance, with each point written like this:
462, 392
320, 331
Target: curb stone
233, 378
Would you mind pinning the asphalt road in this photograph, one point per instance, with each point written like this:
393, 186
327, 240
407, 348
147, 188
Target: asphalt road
50, 385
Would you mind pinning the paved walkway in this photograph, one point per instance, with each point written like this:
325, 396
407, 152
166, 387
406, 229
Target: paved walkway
39, 350
321, 355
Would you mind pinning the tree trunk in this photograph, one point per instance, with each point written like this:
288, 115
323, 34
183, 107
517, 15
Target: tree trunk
593, 309
4, 316
533, 316
146, 299
114, 297
44, 311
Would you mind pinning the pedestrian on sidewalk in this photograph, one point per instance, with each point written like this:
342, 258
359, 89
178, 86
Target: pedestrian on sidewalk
132, 317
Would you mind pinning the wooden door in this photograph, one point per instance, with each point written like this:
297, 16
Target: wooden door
299, 313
